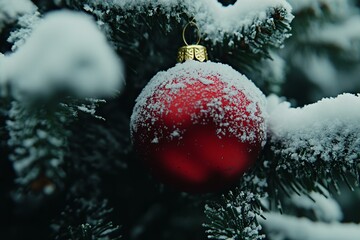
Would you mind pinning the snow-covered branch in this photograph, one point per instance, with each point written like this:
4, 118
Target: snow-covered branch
10, 10
325, 209
254, 23
214, 20
66, 51
283, 227
235, 217
328, 130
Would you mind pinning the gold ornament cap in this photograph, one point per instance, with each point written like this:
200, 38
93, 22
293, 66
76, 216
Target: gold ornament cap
194, 51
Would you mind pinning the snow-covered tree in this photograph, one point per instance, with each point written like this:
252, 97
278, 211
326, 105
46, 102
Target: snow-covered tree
72, 71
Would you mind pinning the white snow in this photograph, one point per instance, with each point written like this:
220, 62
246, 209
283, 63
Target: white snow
214, 19
148, 108
11, 9
25, 26
324, 128
85, 109
65, 51
240, 207
326, 209
281, 227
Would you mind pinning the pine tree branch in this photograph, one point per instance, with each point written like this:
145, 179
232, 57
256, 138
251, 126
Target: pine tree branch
85, 219
86, 214
140, 31
297, 160
321, 150
234, 217
39, 141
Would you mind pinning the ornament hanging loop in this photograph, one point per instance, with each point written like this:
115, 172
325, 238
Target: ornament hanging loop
191, 23
194, 51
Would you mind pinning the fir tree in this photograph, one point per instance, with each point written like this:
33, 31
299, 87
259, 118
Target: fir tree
70, 73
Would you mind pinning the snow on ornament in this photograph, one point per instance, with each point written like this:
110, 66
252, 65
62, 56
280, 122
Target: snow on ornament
199, 125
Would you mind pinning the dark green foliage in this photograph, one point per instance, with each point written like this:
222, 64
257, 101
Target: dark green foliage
4, 111
301, 176
86, 220
275, 178
38, 139
245, 54
305, 46
39, 134
234, 217
307, 21
100, 181
86, 214
148, 40
227, 2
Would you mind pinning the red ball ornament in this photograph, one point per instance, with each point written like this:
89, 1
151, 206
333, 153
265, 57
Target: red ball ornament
199, 126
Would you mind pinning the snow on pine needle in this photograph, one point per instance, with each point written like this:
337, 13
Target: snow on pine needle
255, 22
312, 148
215, 20
306, 134
285, 227
322, 205
86, 219
39, 135
25, 25
38, 139
234, 217
65, 52
316, 145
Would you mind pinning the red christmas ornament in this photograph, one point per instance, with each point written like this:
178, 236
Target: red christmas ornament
199, 126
